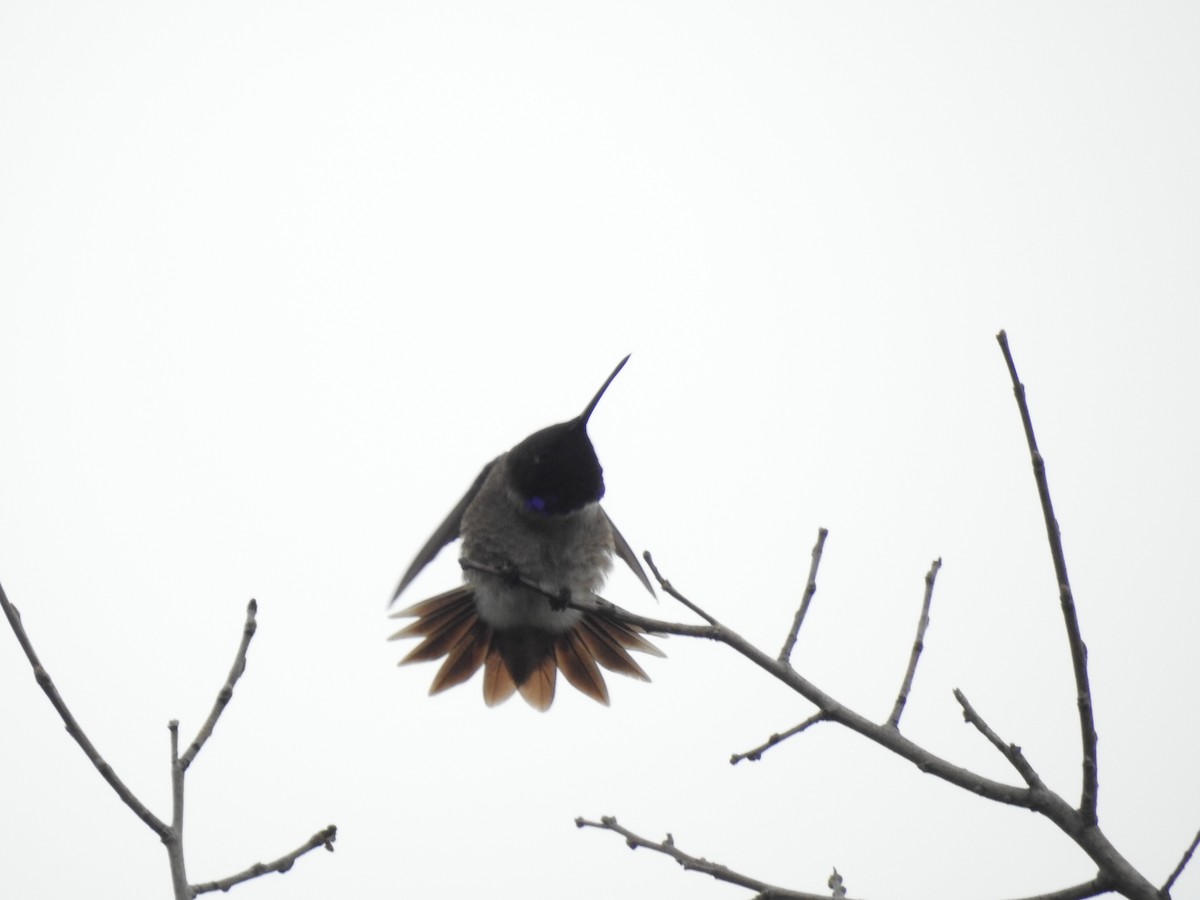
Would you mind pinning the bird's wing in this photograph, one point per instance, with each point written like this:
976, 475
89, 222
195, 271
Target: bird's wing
446, 532
625, 552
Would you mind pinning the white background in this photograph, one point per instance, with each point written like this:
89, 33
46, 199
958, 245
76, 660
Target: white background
276, 279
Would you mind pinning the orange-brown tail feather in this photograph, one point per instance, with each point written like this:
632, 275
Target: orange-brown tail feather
498, 684
578, 663
538, 688
463, 661
524, 660
446, 638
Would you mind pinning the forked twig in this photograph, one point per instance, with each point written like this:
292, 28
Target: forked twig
918, 645
810, 588
1083, 690
831, 709
171, 835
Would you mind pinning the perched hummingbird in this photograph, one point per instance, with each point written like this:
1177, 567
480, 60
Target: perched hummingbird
533, 513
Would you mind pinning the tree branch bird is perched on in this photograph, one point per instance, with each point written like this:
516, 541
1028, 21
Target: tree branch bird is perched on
533, 514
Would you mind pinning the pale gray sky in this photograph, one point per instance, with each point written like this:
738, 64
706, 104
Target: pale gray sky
278, 278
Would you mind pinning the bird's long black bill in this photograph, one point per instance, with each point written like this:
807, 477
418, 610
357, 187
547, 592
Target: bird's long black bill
587, 413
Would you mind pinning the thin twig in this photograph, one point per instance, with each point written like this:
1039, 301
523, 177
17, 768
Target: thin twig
1101, 884
594, 603
1167, 885
668, 588
597, 603
174, 844
157, 825
509, 574
756, 754
1011, 752
697, 864
810, 588
918, 645
226, 693
1087, 724
323, 838
1094, 888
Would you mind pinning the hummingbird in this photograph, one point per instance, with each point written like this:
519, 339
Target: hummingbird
533, 514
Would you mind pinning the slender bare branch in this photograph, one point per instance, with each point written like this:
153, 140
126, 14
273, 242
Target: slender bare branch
157, 825
509, 573
1011, 752
1170, 882
171, 835
174, 844
1089, 838
1116, 874
697, 864
1094, 888
918, 645
756, 754
1087, 724
810, 588
324, 838
831, 709
1101, 884
668, 588
226, 693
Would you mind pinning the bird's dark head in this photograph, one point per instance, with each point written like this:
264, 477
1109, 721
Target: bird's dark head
555, 471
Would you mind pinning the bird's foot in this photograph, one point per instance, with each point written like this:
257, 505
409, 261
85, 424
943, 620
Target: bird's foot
509, 572
559, 603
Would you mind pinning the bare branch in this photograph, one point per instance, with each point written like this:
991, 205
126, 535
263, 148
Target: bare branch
697, 864
1087, 724
226, 693
512, 574
1011, 752
832, 710
171, 835
1089, 838
918, 645
1167, 885
174, 844
1094, 888
323, 838
1116, 874
756, 754
810, 588
74, 730
668, 588
1101, 884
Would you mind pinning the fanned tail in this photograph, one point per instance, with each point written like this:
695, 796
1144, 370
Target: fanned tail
522, 659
